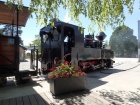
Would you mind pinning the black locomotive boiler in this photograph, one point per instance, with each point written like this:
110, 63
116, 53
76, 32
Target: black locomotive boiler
65, 42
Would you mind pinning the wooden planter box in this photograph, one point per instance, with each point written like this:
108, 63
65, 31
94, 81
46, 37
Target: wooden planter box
65, 85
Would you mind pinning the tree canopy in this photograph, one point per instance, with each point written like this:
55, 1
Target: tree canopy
123, 42
37, 41
100, 12
7, 31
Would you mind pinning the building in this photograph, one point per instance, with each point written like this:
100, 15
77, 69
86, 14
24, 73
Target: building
22, 50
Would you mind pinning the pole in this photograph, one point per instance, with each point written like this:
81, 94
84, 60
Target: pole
17, 20
12, 30
37, 60
17, 43
139, 40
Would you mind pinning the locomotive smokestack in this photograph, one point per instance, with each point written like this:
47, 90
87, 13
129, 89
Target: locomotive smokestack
101, 36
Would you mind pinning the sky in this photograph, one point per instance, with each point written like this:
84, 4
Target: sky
32, 28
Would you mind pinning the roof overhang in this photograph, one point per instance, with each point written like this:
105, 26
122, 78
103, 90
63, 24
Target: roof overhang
23, 47
8, 15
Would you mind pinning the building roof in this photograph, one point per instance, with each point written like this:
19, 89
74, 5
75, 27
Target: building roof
23, 47
9, 15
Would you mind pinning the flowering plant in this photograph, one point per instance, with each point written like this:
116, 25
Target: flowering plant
65, 70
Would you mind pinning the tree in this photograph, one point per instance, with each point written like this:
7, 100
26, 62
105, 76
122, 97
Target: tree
7, 31
1, 32
106, 44
100, 12
123, 42
37, 42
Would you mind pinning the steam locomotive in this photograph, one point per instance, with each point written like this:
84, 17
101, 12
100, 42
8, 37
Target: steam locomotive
65, 42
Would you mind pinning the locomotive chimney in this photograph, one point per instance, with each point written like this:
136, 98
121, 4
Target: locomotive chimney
101, 36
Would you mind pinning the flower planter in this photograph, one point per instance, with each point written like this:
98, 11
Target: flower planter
65, 85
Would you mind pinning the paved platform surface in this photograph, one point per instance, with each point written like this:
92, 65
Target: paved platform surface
36, 92
34, 99
76, 98
119, 86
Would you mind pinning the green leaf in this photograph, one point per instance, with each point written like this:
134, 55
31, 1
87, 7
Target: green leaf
101, 12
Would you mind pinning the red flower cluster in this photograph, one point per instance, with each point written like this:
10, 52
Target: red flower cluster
65, 70
52, 69
66, 63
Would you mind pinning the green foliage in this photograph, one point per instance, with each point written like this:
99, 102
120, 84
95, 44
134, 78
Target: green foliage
65, 70
20, 41
123, 42
7, 31
106, 43
37, 42
100, 12
1, 32
27, 56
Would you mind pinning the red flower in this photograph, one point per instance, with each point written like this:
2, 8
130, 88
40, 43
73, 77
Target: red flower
66, 63
52, 69
64, 71
67, 74
49, 76
56, 76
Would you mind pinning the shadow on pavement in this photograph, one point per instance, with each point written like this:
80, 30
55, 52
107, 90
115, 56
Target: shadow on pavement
74, 98
23, 60
121, 97
93, 79
12, 90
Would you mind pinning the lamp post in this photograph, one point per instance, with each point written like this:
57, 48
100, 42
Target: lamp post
34, 57
139, 40
34, 46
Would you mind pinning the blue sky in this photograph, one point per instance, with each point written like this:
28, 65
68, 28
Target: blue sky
32, 28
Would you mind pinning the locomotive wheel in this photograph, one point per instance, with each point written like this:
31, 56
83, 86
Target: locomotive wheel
108, 63
3, 81
18, 80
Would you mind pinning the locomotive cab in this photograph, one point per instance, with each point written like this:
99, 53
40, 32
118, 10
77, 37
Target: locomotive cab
57, 43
